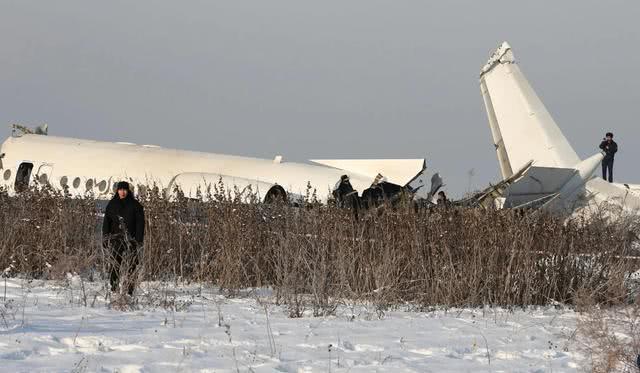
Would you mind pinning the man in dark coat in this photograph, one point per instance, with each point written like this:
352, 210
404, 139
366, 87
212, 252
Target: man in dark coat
609, 147
123, 233
346, 196
442, 200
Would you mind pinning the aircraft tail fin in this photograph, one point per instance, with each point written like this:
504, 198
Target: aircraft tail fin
522, 128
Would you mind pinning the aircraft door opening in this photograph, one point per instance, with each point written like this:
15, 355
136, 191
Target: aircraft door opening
23, 176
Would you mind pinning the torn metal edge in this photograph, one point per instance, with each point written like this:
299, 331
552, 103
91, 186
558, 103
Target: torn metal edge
501, 55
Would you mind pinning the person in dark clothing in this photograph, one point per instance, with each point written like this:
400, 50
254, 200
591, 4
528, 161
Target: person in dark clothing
346, 196
123, 233
344, 191
609, 147
442, 200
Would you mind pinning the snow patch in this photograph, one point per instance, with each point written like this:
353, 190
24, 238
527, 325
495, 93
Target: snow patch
59, 335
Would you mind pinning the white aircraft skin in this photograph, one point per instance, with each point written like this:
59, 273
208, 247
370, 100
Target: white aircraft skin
93, 166
524, 131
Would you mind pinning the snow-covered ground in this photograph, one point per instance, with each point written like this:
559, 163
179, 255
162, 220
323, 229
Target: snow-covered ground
48, 328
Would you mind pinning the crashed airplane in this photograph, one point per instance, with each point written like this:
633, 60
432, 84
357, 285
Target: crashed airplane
83, 167
539, 166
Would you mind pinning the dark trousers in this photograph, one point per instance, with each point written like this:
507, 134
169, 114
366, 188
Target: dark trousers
122, 251
607, 165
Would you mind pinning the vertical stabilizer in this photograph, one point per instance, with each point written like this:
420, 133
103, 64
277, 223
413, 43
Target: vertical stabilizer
522, 128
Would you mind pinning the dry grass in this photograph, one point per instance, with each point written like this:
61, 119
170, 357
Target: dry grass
315, 255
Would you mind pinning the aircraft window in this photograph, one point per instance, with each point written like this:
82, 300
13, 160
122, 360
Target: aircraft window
76, 182
115, 187
102, 186
43, 179
22, 176
7, 174
63, 181
89, 184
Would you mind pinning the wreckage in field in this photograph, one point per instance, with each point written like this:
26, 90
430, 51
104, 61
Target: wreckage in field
539, 166
84, 167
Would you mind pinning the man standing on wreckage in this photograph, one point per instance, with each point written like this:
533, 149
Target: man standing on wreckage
123, 234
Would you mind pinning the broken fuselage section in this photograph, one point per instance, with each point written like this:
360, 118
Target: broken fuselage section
539, 166
87, 167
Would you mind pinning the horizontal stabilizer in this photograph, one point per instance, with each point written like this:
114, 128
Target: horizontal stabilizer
396, 171
537, 183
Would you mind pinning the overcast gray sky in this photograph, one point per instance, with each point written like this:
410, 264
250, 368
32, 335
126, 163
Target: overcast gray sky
323, 79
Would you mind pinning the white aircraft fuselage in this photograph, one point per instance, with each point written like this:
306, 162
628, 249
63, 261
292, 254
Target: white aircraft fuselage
87, 166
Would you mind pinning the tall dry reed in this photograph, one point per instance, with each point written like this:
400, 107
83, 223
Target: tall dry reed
313, 256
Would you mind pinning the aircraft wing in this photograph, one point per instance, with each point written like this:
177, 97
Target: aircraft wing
396, 171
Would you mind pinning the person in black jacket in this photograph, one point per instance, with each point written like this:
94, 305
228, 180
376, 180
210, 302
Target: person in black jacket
123, 232
346, 196
609, 147
442, 200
